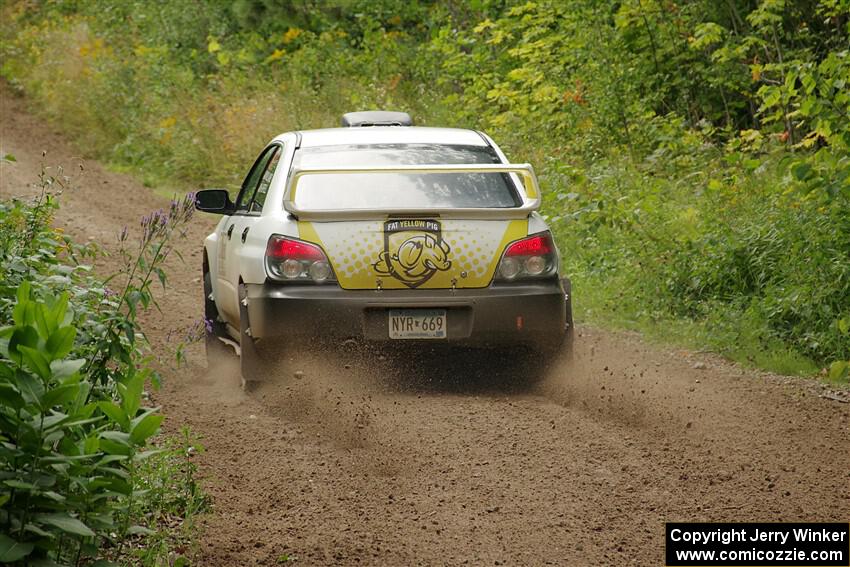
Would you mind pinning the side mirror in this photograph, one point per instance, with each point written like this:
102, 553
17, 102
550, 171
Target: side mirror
214, 201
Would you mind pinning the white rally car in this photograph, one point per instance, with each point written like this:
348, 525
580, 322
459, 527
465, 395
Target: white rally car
381, 231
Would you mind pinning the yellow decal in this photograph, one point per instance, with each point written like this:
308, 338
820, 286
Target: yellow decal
517, 229
413, 251
307, 232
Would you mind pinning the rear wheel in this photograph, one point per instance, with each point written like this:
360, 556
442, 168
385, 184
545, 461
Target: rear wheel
214, 329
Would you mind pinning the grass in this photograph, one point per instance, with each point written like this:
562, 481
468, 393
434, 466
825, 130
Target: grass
172, 500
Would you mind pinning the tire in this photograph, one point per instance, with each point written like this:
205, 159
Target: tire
214, 328
254, 365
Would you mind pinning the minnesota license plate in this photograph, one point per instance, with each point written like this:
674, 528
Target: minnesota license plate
417, 323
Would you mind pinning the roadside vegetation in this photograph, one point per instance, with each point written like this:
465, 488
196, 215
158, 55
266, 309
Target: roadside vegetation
84, 476
694, 154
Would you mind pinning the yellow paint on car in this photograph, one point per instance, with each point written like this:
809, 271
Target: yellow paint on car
414, 253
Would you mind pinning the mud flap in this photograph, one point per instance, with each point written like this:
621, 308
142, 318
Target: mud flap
568, 304
569, 328
252, 364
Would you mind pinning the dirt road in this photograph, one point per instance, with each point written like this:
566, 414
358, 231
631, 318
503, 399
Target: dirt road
394, 461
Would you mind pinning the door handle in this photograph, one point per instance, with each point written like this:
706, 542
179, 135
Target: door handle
244, 234
230, 231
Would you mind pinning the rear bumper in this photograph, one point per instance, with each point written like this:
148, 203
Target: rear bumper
533, 314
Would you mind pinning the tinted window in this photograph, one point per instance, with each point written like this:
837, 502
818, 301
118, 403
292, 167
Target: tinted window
253, 179
265, 182
397, 190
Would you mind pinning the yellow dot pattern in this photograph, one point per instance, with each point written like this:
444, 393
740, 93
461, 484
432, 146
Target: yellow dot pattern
354, 248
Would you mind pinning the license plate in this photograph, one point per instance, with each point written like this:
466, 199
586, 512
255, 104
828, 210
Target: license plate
417, 323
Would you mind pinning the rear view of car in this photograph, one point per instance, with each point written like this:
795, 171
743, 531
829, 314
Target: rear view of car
391, 233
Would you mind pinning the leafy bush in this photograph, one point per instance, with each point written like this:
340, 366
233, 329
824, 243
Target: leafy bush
73, 429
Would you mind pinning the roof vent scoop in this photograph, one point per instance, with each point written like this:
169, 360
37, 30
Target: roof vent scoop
376, 118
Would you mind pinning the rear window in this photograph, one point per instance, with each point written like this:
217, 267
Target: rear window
345, 191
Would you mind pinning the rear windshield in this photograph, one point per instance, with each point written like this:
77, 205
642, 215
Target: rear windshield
338, 191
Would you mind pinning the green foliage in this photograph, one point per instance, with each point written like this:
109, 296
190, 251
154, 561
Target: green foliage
665, 252
172, 499
72, 373
694, 154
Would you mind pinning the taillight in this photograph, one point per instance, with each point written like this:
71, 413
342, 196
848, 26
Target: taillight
532, 257
288, 259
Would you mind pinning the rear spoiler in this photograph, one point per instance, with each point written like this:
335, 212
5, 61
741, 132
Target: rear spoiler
522, 173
